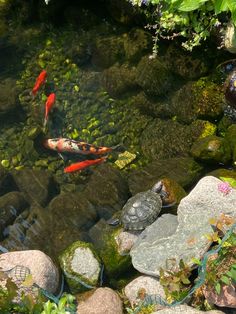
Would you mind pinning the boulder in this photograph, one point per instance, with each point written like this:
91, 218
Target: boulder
141, 286
81, 266
37, 185
183, 170
102, 301
211, 149
11, 205
205, 201
153, 76
105, 241
18, 265
180, 309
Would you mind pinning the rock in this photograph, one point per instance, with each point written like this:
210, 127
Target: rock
125, 241
11, 205
184, 170
104, 239
174, 191
225, 173
81, 266
136, 43
8, 96
211, 149
3, 179
119, 80
37, 185
188, 65
18, 264
124, 12
226, 298
124, 159
153, 76
164, 139
230, 137
107, 190
205, 201
180, 309
229, 39
144, 285
202, 99
107, 51
102, 301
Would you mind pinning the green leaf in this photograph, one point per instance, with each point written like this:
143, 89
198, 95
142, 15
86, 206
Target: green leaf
196, 261
225, 280
220, 6
232, 274
218, 288
191, 5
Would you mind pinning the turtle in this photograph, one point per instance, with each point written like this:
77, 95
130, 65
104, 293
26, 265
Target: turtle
141, 209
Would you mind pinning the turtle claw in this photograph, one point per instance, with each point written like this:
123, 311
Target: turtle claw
113, 221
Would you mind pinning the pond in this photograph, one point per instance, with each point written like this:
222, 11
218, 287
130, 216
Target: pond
162, 116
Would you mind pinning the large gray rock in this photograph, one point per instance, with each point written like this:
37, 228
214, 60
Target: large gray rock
185, 309
205, 201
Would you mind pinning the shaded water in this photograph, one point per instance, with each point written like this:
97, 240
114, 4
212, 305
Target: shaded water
103, 98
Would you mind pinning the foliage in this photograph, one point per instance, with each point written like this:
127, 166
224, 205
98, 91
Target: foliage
13, 301
145, 309
193, 20
176, 283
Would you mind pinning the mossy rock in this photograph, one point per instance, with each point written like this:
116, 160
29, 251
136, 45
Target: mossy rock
81, 266
212, 149
230, 136
207, 128
103, 237
225, 173
153, 76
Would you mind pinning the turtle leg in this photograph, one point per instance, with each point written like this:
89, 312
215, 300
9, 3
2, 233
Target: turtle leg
113, 221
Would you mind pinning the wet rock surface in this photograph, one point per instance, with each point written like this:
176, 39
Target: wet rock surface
181, 309
8, 97
205, 201
37, 185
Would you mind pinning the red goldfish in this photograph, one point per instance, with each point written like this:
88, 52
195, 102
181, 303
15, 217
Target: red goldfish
41, 79
83, 164
66, 145
49, 103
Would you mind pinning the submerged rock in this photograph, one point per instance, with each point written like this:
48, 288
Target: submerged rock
205, 201
154, 76
37, 185
102, 301
8, 97
11, 205
184, 170
212, 149
81, 266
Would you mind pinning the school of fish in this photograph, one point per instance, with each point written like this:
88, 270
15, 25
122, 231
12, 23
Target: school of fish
66, 145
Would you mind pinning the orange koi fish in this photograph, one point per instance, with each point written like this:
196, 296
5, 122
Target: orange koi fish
41, 79
66, 145
83, 164
49, 103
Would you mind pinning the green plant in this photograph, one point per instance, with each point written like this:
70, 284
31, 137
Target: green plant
65, 306
176, 283
193, 20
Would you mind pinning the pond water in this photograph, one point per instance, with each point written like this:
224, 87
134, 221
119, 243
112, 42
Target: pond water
110, 91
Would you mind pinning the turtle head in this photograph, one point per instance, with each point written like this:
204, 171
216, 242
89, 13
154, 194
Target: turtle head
159, 188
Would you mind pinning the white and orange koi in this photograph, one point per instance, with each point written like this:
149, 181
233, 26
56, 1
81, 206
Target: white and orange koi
66, 145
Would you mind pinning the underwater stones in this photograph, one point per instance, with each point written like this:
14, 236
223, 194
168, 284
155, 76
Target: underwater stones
166, 139
37, 185
81, 266
124, 159
137, 43
107, 51
230, 89
188, 65
212, 149
11, 205
204, 202
8, 96
44, 272
107, 190
202, 99
153, 76
119, 79
104, 237
184, 170
102, 301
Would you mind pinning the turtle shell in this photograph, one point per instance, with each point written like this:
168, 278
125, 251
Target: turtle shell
141, 210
